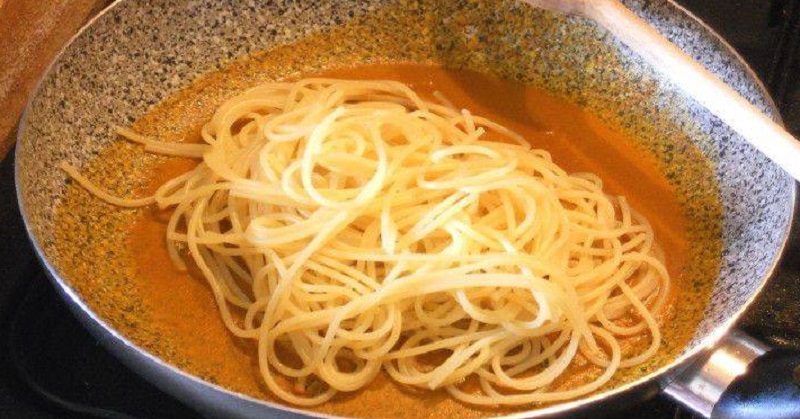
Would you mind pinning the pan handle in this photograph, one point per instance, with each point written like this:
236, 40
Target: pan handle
741, 378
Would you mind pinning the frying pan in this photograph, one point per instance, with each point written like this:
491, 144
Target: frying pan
139, 52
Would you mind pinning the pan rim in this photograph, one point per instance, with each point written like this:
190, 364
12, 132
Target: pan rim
115, 342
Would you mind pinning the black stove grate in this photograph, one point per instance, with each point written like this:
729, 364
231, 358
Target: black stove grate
783, 71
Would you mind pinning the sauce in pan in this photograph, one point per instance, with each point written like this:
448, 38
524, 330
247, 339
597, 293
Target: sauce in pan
183, 305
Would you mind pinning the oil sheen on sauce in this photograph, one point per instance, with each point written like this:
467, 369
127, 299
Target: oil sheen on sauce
578, 142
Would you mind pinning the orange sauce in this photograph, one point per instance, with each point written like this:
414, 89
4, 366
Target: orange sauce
184, 305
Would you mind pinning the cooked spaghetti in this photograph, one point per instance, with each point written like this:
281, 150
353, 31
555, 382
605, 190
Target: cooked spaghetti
351, 227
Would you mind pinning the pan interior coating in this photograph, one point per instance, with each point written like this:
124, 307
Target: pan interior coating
166, 307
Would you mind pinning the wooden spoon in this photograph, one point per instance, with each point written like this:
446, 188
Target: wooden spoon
702, 85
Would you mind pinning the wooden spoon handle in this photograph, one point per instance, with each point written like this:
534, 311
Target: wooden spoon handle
702, 85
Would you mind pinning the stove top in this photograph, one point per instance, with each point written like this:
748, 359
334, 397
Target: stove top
51, 368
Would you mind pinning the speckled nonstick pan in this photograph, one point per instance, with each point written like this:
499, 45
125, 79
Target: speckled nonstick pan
139, 52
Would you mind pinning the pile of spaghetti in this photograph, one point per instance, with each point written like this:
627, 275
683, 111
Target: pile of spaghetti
350, 227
